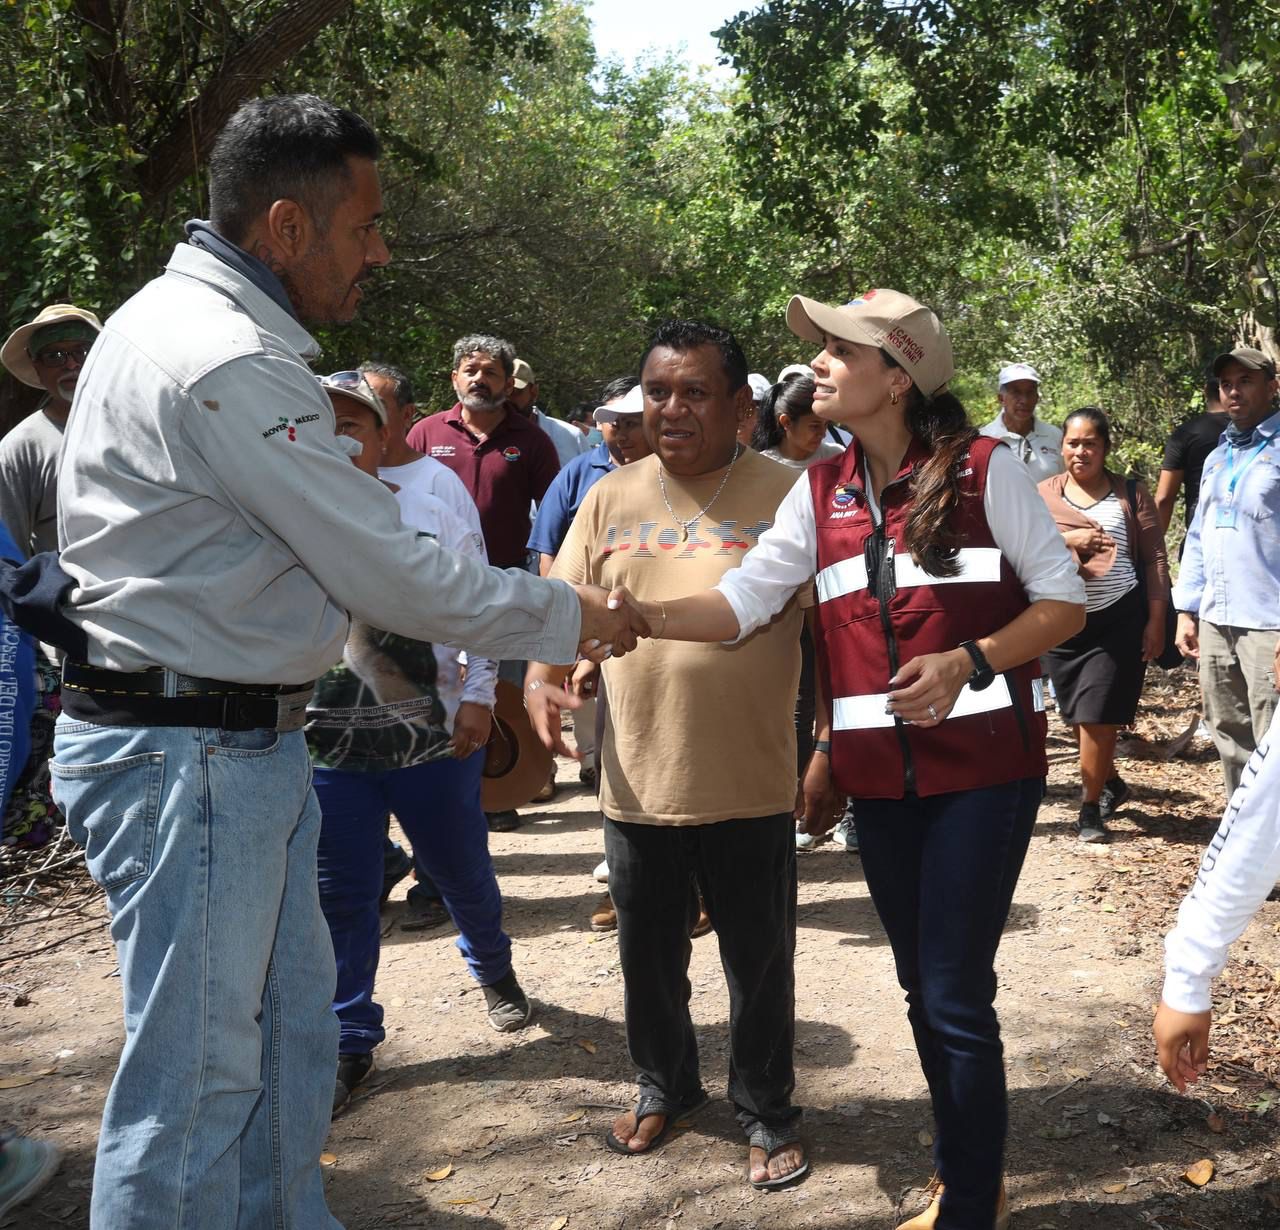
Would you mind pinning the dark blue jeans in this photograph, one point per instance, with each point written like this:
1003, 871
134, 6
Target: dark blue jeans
941, 872
438, 807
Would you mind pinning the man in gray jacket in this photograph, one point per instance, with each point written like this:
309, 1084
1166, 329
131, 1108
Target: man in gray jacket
219, 540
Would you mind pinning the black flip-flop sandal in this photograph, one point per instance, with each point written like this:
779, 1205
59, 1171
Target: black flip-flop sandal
646, 1107
763, 1138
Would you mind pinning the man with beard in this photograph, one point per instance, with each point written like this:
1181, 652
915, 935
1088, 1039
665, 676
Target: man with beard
220, 543
503, 458
46, 353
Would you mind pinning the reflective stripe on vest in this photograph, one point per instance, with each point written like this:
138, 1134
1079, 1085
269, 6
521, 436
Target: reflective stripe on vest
868, 712
848, 576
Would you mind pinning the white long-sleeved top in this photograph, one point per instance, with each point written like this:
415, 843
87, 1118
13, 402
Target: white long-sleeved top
786, 557
1238, 870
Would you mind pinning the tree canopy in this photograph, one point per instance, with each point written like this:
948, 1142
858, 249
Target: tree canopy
1087, 186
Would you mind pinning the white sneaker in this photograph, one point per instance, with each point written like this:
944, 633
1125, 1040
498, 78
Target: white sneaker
601, 873
806, 841
845, 835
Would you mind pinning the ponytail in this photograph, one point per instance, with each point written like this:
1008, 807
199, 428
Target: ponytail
794, 398
942, 425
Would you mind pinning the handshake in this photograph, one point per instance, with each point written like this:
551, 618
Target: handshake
611, 622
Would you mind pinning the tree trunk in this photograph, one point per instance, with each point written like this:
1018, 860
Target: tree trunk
176, 155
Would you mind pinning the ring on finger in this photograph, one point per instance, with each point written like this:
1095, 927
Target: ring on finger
933, 713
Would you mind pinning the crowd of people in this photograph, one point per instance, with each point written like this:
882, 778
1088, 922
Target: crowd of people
284, 609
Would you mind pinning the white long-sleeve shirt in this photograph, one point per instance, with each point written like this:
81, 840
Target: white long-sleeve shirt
1238, 870
786, 557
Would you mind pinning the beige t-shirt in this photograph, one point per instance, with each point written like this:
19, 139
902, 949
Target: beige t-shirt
694, 733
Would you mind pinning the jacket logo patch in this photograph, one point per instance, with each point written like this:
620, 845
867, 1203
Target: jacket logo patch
842, 499
511, 453
290, 426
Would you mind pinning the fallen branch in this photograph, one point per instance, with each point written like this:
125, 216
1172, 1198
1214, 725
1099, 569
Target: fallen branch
31, 952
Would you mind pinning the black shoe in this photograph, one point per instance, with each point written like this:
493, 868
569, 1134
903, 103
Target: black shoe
502, 821
509, 1006
396, 864
1089, 825
587, 776
1114, 792
352, 1072
423, 915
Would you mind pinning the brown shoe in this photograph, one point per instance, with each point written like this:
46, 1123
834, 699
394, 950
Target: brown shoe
604, 918
548, 792
703, 925
929, 1218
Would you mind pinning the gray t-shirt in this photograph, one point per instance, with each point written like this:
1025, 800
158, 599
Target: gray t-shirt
29, 482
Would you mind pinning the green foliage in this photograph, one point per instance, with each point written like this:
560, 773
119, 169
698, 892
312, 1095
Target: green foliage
1090, 186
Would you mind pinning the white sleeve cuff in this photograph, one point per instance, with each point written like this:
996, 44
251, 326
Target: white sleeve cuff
1185, 992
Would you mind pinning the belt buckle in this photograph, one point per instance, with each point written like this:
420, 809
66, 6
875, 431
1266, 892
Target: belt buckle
291, 709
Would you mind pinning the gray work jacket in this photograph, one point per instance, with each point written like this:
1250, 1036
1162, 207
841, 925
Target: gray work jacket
212, 525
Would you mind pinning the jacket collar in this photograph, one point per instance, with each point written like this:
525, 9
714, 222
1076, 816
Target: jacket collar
853, 463
202, 266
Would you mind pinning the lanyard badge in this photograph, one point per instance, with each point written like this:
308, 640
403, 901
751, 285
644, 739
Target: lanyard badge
1225, 517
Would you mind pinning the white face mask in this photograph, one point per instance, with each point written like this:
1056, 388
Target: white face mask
348, 446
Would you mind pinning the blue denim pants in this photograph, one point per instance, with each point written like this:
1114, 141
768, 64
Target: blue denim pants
438, 807
941, 872
205, 842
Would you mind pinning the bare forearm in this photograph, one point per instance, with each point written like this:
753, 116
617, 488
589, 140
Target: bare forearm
1041, 627
701, 617
1167, 496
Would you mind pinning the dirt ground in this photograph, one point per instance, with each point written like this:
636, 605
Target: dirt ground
462, 1127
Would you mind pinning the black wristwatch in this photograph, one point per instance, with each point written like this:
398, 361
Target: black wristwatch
982, 672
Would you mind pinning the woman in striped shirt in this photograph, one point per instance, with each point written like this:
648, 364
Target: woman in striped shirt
1112, 526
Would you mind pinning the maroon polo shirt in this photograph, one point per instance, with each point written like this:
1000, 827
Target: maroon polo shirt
505, 474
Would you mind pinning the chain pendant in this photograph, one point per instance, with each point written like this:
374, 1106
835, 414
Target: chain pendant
684, 533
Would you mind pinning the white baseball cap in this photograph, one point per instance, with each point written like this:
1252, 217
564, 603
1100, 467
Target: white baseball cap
796, 369
632, 403
760, 386
1017, 371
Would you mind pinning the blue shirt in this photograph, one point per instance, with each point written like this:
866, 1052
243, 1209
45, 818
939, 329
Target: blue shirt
564, 497
1230, 573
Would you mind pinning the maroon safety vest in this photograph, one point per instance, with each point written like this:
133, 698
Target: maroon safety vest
877, 610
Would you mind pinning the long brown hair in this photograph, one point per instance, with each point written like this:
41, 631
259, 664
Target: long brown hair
942, 424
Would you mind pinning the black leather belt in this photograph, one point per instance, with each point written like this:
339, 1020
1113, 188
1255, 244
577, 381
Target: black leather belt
160, 697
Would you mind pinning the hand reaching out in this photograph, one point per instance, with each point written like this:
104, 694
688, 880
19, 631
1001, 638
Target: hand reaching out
544, 700
611, 623
1182, 1044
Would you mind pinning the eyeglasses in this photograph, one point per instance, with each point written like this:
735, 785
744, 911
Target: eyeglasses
59, 356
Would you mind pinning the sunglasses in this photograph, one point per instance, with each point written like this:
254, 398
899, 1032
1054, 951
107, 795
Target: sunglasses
60, 355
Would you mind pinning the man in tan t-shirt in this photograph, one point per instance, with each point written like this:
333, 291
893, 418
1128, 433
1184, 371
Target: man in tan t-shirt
698, 761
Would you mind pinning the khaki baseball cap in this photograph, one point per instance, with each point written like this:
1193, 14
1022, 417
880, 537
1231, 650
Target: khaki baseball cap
1246, 356
356, 387
904, 329
15, 355
522, 374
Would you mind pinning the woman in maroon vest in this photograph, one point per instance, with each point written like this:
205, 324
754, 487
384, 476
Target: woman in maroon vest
940, 579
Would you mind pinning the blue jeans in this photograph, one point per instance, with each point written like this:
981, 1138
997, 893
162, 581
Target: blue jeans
438, 807
941, 872
205, 842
